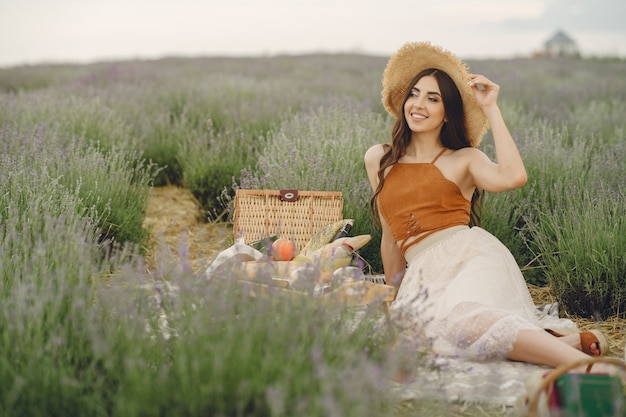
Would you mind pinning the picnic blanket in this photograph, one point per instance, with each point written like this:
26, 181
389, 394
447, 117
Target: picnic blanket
498, 384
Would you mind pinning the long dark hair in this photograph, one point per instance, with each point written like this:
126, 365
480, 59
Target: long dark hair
453, 136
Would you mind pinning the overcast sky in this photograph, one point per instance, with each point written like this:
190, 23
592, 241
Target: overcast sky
35, 31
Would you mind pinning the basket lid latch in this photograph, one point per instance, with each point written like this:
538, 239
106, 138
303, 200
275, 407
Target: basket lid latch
288, 195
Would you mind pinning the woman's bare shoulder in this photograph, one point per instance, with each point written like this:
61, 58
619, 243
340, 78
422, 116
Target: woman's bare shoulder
372, 163
470, 150
469, 154
374, 153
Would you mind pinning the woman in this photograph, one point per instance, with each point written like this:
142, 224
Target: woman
427, 184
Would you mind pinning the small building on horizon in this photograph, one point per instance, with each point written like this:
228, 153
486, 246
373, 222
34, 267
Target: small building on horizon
560, 44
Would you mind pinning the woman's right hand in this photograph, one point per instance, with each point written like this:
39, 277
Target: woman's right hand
485, 91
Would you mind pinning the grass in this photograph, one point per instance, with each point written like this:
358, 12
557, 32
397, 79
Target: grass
87, 329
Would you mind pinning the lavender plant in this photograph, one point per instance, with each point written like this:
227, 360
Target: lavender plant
211, 159
49, 255
111, 189
84, 117
569, 155
175, 120
563, 91
581, 240
23, 78
235, 355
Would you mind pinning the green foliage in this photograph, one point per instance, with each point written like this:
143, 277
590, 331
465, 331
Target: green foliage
163, 148
563, 91
115, 185
554, 156
272, 356
48, 256
581, 240
36, 227
184, 114
212, 159
87, 118
184, 346
110, 189
504, 218
29, 78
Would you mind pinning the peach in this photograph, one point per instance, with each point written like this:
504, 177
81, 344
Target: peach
283, 250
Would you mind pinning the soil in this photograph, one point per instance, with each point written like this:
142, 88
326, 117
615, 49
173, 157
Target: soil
179, 234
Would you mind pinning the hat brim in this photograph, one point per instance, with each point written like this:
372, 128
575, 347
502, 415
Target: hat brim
415, 57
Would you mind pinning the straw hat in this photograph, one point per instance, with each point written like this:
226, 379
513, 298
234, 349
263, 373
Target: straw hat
414, 57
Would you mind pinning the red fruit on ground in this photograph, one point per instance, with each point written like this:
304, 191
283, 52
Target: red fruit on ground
283, 250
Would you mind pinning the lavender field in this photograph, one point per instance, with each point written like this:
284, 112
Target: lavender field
81, 316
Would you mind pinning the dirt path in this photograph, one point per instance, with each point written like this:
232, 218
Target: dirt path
178, 231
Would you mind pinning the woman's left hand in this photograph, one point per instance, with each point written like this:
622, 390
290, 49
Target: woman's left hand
485, 90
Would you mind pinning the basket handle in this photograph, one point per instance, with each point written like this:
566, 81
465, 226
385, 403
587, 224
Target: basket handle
563, 369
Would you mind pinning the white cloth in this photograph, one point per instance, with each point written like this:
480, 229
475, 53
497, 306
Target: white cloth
466, 294
494, 385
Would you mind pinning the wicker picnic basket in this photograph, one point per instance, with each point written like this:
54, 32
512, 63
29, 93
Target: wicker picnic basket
290, 214
537, 406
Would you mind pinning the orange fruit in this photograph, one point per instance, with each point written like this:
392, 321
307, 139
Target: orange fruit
283, 250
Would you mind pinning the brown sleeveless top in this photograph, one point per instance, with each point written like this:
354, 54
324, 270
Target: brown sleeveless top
417, 199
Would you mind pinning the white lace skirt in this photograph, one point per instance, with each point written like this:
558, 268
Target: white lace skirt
466, 294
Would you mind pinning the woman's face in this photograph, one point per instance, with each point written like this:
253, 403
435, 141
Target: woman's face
424, 110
